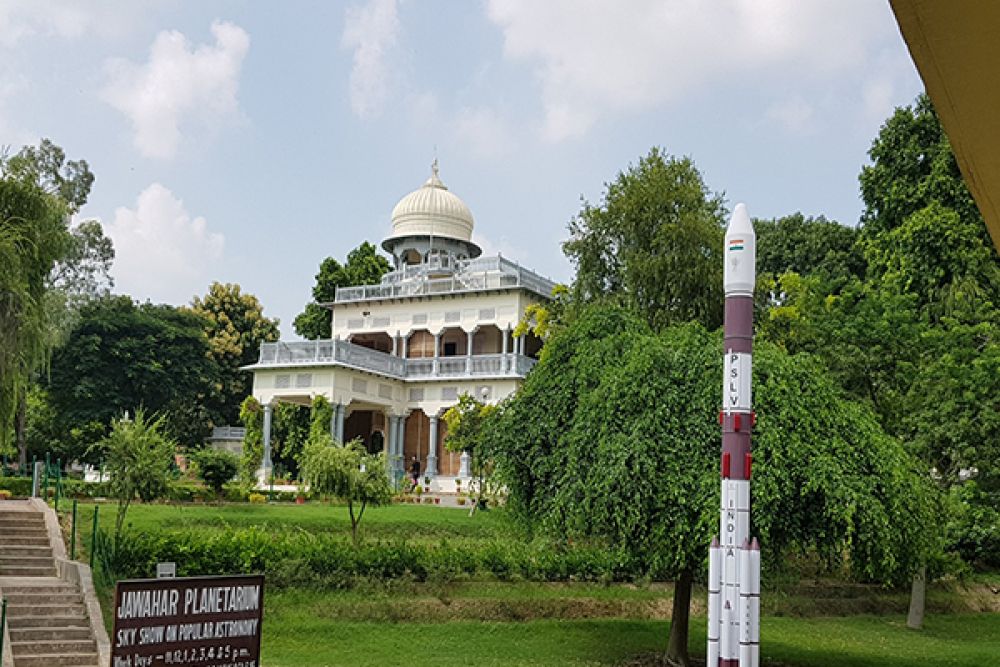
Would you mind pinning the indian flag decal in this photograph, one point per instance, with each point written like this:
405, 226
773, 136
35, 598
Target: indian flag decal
735, 244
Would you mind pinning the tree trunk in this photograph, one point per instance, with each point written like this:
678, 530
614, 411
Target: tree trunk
677, 647
915, 619
21, 430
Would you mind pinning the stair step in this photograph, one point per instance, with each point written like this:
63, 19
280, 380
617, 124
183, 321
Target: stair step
25, 550
22, 531
25, 540
67, 660
48, 634
20, 599
42, 587
25, 571
34, 609
53, 646
26, 561
50, 621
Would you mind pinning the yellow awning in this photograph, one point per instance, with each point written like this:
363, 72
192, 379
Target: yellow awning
956, 47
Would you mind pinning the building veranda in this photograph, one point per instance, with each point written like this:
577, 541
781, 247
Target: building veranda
438, 326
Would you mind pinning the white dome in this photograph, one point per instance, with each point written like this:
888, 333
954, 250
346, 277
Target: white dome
432, 211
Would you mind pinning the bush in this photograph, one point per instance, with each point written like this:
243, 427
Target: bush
5, 494
215, 467
257, 499
331, 561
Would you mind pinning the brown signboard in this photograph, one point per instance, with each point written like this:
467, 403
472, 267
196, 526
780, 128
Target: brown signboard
192, 621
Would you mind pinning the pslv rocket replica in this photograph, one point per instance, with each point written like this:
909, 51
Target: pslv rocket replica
734, 559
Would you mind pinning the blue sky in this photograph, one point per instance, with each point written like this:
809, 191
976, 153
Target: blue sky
245, 141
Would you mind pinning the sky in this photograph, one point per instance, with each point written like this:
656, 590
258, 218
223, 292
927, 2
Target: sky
244, 141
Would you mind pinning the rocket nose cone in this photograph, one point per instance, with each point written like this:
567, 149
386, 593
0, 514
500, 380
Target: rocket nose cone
740, 220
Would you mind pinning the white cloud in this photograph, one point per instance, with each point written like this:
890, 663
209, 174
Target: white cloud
24, 18
179, 83
161, 252
794, 113
371, 31
483, 132
594, 59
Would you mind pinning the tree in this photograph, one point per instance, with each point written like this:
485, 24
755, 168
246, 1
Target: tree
137, 456
921, 228
215, 467
653, 244
809, 247
466, 422
235, 326
32, 238
75, 263
613, 437
364, 267
349, 473
252, 418
122, 356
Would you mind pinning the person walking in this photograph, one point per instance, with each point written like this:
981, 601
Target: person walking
414, 471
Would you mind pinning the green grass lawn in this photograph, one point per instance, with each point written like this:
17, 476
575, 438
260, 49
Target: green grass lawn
523, 623
305, 629
412, 522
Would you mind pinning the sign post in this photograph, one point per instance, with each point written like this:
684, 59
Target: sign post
192, 621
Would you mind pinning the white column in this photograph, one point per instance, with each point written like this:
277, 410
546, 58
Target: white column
506, 339
406, 345
437, 351
338, 422
468, 351
432, 461
265, 465
395, 340
520, 344
463, 465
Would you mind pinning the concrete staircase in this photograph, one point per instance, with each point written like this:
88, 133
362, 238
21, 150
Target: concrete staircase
47, 616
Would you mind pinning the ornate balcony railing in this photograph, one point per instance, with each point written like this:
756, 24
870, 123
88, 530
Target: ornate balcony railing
472, 275
342, 353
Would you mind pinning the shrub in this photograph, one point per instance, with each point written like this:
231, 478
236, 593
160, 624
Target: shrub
296, 558
5, 494
257, 499
215, 467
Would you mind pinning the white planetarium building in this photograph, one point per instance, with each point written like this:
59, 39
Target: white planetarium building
438, 326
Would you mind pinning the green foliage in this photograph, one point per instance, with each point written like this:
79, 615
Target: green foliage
320, 417
252, 418
137, 458
975, 530
349, 473
215, 467
364, 266
235, 325
32, 238
613, 436
123, 355
289, 433
809, 246
653, 244
295, 557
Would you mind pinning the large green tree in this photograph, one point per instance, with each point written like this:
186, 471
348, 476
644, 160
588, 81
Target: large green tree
122, 356
809, 246
364, 266
33, 237
654, 243
921, 228
75, 259
236, 326
613, 437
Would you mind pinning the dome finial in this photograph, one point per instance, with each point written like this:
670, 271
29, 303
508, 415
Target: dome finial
434, 169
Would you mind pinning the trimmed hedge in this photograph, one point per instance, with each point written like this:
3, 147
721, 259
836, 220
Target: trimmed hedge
179, 491
299, 558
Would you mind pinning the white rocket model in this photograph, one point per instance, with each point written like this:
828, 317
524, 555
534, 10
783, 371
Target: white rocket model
734, 559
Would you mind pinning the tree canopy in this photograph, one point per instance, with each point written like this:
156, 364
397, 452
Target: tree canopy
236, 326
654, 243
364, 266
123, 356
613, 437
